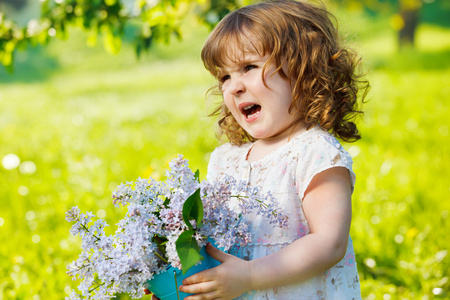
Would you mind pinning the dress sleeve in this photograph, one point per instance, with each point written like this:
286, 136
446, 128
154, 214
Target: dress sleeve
322, 153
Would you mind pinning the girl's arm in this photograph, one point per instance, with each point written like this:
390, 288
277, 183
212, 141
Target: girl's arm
327, 207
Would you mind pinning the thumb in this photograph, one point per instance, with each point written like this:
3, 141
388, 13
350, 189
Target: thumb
216, 253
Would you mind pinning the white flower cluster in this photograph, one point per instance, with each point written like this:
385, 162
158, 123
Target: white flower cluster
144, 242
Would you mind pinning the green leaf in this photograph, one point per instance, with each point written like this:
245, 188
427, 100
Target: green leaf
110, 2
111, 42
197, 175
166, 202
188, 250
193, 209
161, 242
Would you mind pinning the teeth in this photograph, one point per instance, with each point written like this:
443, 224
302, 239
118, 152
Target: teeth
249, 106
254, 114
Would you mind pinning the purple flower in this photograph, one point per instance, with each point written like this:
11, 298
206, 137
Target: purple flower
145, 239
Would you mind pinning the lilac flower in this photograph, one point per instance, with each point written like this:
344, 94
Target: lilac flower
144, 242
73, 214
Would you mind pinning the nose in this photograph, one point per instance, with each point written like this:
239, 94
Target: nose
236, 86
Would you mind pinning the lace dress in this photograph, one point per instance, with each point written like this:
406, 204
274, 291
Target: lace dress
286, 173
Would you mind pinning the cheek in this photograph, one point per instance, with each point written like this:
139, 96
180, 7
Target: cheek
224, 85
228, 100
285, 95
281, 87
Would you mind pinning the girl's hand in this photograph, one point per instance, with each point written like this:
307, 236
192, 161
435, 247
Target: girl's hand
226, 281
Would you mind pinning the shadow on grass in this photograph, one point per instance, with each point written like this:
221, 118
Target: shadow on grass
30, 65
413, 60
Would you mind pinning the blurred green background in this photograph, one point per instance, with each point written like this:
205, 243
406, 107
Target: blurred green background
76, 121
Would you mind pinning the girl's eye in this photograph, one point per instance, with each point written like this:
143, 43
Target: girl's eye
224, 78
249, 67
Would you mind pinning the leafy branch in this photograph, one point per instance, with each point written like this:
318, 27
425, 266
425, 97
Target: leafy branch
155, 21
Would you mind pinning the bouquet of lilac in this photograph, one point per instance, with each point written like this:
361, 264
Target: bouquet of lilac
166, 224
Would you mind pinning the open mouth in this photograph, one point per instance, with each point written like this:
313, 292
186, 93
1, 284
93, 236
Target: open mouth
251, 110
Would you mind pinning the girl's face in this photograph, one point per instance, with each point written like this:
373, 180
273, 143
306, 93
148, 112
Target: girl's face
262, 111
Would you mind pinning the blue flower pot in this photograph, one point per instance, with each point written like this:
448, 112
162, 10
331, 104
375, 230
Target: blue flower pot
165, 287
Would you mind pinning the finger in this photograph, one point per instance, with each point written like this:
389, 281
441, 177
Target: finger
205, 296
154, 297
147, 292
216, 253
202, 276
198, 288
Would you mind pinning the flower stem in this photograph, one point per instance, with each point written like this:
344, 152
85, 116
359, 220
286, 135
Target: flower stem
162, 258
260, 202
87, 230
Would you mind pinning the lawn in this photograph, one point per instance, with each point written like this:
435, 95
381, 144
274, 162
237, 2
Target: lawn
75, 122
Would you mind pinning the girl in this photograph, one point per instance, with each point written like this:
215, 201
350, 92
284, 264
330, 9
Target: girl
288, 89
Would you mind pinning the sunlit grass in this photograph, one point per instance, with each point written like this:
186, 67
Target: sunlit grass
400, 211
88, 121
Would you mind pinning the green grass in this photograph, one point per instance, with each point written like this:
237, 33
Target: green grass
88, 121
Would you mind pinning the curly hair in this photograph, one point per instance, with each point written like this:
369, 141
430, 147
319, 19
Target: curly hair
302, 37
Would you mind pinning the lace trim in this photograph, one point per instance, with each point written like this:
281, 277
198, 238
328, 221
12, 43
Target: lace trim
272, 243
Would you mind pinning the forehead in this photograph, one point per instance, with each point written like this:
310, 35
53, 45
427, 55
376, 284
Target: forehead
238, 48
237, 58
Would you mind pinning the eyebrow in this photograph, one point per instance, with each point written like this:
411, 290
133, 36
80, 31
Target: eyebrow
242, 63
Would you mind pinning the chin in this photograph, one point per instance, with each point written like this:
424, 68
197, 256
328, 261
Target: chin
259, 136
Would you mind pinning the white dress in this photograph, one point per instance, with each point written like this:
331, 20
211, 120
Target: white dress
286, 173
